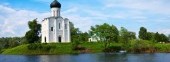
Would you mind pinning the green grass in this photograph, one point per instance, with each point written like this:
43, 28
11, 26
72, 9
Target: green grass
94, 46
23, 49
58, 48
162, 47
66, 48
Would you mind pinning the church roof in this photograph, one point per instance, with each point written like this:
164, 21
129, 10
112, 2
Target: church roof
56, 4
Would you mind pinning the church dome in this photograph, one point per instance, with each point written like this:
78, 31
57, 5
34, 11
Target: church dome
56, 4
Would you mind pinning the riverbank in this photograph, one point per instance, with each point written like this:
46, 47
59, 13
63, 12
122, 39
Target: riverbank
66, 48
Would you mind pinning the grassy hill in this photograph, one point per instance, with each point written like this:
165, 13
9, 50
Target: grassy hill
46, 49
55, 48
67, 48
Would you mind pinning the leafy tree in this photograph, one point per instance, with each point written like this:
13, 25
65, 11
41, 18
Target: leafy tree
160, 37
107, 33
124, 34
33, 35
150, 36
125, 37
163, 38
157, 37
75, 36
169, 37
9, 42
75, 33
143, 33
84, 36
132, 35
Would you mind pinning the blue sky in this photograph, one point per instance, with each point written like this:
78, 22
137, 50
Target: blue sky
131, 14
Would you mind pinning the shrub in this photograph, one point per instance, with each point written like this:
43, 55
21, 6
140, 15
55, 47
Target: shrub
139, 46
76, 45
35, 46
0, 50
113, 49
162, 47
47, 47
44, 47
79, 48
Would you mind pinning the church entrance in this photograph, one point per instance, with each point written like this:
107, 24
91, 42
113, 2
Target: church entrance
45, 40
59, 39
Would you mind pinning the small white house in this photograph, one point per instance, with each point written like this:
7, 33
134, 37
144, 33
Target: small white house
55, 29
94, 38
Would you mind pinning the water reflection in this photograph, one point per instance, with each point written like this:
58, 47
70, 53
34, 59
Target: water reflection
54, 58
100, 57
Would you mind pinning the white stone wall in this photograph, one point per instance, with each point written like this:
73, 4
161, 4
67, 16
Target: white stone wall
45, 30
53, 36
55, 12
54, 21
67, 30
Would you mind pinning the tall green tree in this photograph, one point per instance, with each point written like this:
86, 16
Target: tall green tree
75, 33
33, 35
126, 35
157, 37
150, 36
107, 33
169, 37
84, 36
143, 33
132, 35
163, 38
9, 42
160, 37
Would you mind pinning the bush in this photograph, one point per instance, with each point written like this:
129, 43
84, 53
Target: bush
113, 49
79, 48
76, 45
162, 47
0, 50
44, 47
139, 46
35, 46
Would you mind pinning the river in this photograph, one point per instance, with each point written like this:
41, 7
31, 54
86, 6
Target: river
97, 57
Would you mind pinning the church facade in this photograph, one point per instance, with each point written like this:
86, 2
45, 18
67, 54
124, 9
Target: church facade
55, 29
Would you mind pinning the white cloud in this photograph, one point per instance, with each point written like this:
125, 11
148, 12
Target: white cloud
14, 22
165, 31
157, 6
81, 22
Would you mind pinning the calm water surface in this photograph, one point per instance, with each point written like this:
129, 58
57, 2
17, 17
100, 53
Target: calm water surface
99, 57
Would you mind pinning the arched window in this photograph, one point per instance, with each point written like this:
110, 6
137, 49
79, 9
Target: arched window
51, 28
45, 40
65, 26
59, 26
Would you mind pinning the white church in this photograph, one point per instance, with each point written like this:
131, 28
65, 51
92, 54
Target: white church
55, 29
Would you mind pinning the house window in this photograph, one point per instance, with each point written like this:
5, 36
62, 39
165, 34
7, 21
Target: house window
65, 26
59, 26
51, 28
